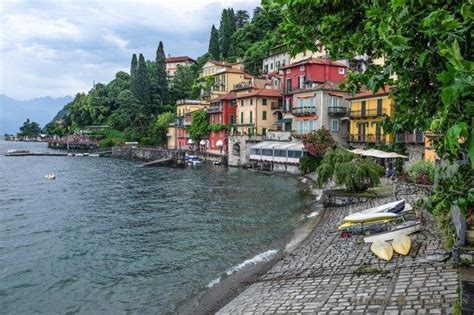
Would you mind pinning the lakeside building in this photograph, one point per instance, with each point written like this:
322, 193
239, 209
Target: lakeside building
278, 58
178, 136
318, 106
298, 76
172, 64
222, 114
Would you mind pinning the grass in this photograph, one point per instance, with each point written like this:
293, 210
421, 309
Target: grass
367, 270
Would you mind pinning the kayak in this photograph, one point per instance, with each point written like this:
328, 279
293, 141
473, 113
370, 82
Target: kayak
392, 207
402, 244
368, 217
382, 250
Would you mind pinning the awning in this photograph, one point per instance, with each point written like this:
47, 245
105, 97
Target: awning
279, 145
378, 154
283, 121
202, 142
219, 143
190, 141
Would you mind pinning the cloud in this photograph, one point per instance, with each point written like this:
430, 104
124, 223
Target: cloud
60, 47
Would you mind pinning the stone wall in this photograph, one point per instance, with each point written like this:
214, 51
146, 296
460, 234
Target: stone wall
239, 149
139, 154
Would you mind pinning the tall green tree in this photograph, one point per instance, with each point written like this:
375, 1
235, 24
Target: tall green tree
226, 30
199, 126
29, 129
161, 74
141, 89
214, 50
183, 81
241, 18
159, 128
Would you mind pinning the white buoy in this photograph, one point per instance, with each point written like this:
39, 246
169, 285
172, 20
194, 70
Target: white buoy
50, 176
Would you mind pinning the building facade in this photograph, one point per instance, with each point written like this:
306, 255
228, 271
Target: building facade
222, 117
172, 64
178, 136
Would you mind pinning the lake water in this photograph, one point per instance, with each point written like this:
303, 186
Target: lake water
110, 236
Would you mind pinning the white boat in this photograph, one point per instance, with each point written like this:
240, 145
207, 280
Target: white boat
94, 155
368, 217
194, 161
405, 228
79, 154
392, 207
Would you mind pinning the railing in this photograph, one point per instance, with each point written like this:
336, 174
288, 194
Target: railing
367, 113
276, 106
337, 111
242, 85
367, 138
214, 109
410, 137
305, 110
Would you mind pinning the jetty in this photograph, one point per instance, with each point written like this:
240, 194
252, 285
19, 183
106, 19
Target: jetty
95, 154
160, 162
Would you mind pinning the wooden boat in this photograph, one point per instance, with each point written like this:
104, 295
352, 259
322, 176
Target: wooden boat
402, 244
392, 207
382, 250
406, 228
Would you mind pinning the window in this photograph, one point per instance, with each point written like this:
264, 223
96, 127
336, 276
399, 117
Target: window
294, 154
242, 117
220, 118
264, 101
288, 85
301, 81
341, 70
301, 68
335, 125
311, 125
264, 115
251, 101
379, 107
267, 152
264, 131
258, 151
251, 117
335, 101
279, 153
288, 71
241, 102
232, 119
311, 102
265, 68
301, 102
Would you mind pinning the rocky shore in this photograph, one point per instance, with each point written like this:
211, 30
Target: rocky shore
330, 275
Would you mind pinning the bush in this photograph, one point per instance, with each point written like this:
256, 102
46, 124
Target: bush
308, 164
422, 172
111, 142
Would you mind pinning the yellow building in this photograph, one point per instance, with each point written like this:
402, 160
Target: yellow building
226, 79
367, 111
254, 110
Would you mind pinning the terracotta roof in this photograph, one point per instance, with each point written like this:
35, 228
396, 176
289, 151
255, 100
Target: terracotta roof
326, 86
228, 96
179, 59
219, 63
319, 61
261, 92
337, 94
368, 94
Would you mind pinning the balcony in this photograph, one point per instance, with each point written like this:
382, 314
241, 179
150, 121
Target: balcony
214, 109
304, 111
337, 111
367, 113
243, 85
410, 137
276, 106
368, 138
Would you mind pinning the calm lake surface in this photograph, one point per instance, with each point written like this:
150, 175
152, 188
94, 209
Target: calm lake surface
110, 236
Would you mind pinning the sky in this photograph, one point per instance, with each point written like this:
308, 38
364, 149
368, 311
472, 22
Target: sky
57, 48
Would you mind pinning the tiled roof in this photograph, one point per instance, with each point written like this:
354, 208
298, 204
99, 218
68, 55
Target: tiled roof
179, 59
228, 96
219, 63
262, 92
368, 93
319, 61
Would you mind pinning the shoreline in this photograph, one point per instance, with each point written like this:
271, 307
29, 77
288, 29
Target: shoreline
212, 299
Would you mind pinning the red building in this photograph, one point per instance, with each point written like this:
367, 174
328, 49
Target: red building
222, 112
308, 72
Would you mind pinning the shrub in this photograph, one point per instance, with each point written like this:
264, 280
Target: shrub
318, 142
308, 164
422, 172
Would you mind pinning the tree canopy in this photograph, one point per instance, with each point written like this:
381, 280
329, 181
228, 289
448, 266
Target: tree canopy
29, 129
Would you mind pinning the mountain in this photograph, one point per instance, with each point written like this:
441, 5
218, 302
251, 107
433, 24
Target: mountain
14, 112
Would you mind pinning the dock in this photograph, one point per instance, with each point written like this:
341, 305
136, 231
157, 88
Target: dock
57, 154
159, 162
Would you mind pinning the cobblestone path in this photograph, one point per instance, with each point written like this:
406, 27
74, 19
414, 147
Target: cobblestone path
320, 276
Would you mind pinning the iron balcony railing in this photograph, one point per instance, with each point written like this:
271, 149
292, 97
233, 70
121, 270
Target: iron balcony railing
214, 109
366, 138
337, 111
305, 110
276, 106
367, 113
417, 137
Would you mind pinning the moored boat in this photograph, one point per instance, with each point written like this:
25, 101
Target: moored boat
375, 212
406, 228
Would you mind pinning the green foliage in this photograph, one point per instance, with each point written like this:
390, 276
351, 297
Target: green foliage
318, 142
347, 169
241, 18
159, 128
420, 169
428, 45
29, 129
199, 126
112, 138
219, 127
308, 164
141, 87
183, 81
226, 30
161, 74
214, 50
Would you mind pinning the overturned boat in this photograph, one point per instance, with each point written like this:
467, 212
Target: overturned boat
385, 211
405, 228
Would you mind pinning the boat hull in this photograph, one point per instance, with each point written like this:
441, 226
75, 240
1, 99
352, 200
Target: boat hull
392, 207
390, 235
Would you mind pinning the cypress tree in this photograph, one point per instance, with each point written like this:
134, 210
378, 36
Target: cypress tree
241, 18
142, 90
226, 29
161, 74
214, 44
133, 74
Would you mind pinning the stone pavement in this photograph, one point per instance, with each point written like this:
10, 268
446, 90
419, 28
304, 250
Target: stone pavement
321, 276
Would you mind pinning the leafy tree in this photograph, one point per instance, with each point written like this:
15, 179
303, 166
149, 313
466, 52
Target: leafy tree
29, 129
256, 13
347, 169
183, 80
214, 50
161, 74
199, 126
131, 107
241, 18
159, 128
117, 85
422, 172
428, 45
